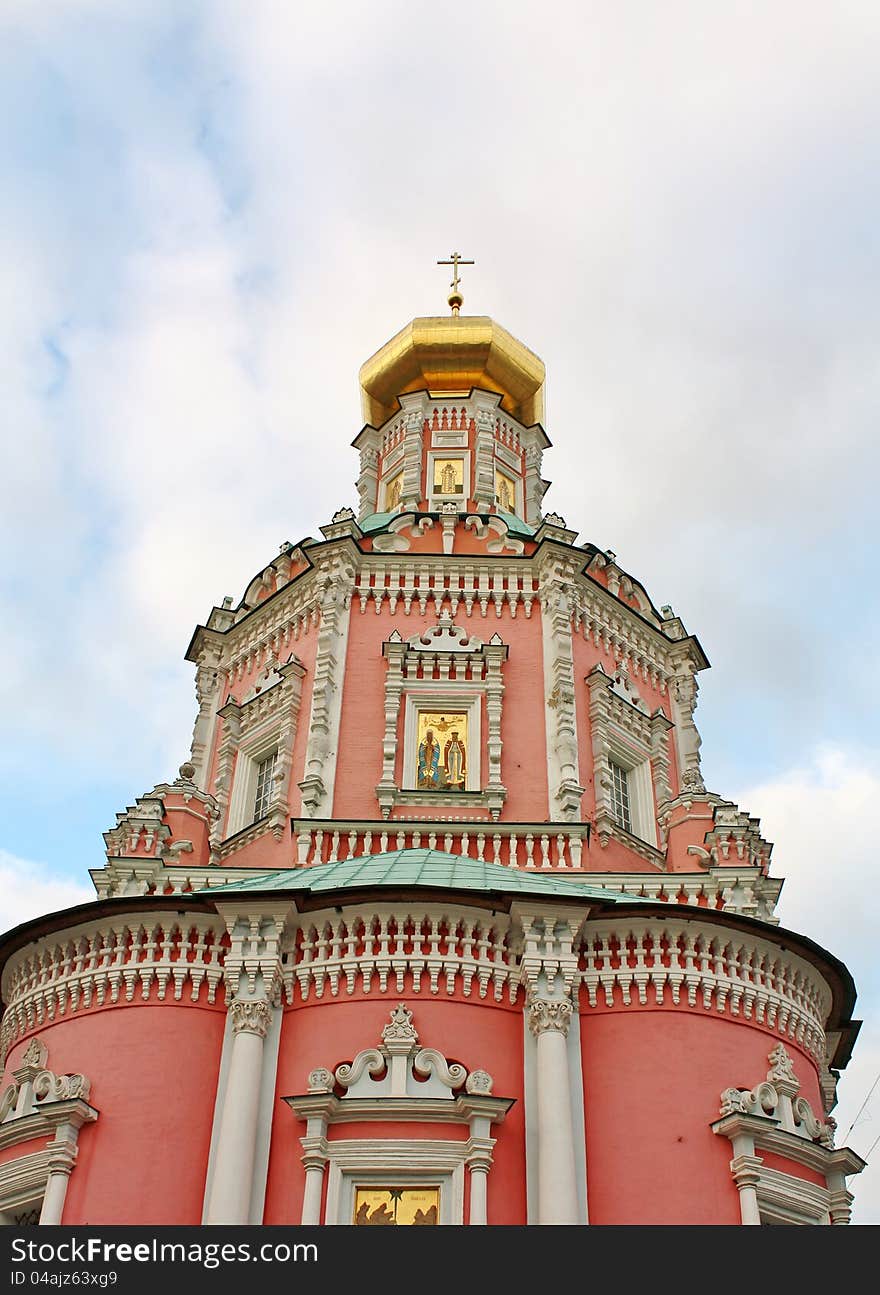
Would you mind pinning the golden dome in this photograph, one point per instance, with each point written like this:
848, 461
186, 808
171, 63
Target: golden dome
452, 353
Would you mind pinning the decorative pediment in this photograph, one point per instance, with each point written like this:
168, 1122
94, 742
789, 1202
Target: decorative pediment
445, 637
398, 1067
777, 1098
34, 1086
623, 687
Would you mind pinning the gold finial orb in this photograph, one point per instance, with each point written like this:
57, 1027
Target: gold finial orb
439, 355
455, 299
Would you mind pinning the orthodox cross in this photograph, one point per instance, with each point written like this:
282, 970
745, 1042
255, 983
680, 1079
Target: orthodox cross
455, 262
455, 297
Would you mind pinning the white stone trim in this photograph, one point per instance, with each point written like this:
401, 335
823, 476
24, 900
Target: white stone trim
450, 1095
326, 961
467, 669
713, 968
389, 1162
564, 787
336, 583
111, 961
40, 1103
436, 499
426, 696
773, 1118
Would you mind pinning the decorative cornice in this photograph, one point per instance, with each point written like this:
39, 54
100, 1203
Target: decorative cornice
698, 964
97, 963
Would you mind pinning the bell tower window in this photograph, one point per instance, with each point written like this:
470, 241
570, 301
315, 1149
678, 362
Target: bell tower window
263, 794
505, 493
620, 796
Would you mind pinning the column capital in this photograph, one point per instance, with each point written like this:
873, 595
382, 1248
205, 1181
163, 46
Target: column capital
62, 1155
549, 1014
250, 1016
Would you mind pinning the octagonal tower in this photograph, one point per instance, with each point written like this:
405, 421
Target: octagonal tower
439, 922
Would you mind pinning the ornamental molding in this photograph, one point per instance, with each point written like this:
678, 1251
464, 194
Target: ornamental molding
399, 1068
495, 531
777, 1097
400, 948
250, 1016
41, 1104
623, 730
549, 1015
442, 667
35, 1087
398, 1080
694, 964
336, 582
473, 583
256, 927
563, 772
394, 539
772, 1117
267, 717
154, 958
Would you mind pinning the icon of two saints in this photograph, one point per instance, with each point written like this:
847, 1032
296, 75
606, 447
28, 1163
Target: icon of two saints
442, 765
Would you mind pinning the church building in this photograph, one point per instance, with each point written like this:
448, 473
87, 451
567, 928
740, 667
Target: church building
439, 923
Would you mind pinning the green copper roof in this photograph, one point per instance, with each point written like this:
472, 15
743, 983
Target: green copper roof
376, 522
428, 868
515, 525
381, 521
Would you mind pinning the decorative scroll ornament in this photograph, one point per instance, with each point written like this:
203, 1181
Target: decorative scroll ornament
36, 1087
250, 1016
777, 1098
399, 1068
549, 1014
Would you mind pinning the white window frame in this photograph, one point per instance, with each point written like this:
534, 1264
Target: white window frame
518, 488
380, 1162
264, 792
244, 786
435, 500
640, 785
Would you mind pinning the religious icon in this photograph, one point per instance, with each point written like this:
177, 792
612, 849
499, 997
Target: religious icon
392, 492
396, 1206
505, 493
429, 762
441, 751
448, 476
454, 761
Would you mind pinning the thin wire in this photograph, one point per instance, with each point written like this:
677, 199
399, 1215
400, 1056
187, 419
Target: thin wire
871, 1148
861, 1108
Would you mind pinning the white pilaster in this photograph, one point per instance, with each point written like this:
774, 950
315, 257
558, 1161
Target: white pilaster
62, 1158
232, 1182
557, 1178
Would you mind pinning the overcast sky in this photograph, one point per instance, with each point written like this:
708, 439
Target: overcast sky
212, 213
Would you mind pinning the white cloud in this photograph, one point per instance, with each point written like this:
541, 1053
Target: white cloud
821, 818
30, 889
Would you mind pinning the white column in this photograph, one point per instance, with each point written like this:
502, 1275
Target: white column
745, 1167
234, 1165
479, 1177
314, 1189
479, 1158
557, 1181
62, 1157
